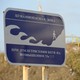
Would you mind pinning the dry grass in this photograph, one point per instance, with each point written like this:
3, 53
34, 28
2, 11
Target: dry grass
12, 72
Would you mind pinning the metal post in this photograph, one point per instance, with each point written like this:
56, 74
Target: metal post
44, 73
39, 6
25, 72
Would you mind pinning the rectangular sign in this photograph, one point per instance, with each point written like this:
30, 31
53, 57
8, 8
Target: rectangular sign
34, 38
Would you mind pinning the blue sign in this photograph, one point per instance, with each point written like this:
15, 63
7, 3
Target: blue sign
34, 38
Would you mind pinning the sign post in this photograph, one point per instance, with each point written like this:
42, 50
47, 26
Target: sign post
25, 73
45, 73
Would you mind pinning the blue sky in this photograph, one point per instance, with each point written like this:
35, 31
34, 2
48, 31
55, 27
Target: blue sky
68, 9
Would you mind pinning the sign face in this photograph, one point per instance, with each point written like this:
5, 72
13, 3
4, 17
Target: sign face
34, 38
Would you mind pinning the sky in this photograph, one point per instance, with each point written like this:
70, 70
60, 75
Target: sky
68, 9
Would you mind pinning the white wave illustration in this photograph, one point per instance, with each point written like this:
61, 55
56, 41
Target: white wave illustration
12, 39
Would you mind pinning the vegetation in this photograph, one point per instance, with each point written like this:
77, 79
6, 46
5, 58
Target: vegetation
70, 71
